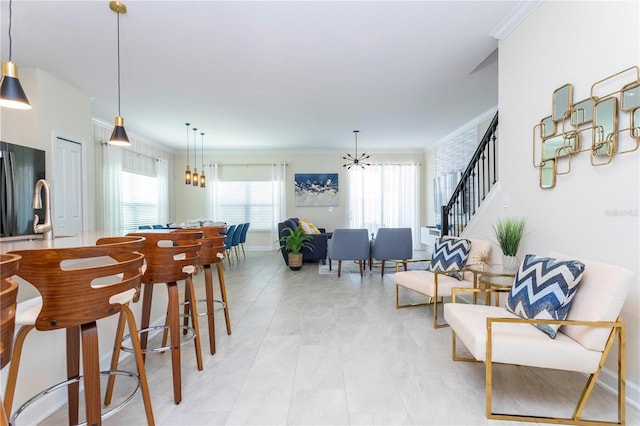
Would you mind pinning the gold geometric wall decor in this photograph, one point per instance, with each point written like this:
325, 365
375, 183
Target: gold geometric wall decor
611, 110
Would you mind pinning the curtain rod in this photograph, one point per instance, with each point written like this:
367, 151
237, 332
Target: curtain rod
245, 165
139, 154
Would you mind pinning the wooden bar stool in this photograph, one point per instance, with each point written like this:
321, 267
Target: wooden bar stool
79, 286
170, 257
212, 251
9, 264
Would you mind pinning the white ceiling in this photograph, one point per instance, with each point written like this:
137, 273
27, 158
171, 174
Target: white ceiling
292, 75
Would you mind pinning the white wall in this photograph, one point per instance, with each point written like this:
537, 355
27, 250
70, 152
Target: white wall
58, 109
579, 43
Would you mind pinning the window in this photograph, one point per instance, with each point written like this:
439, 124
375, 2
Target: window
140, 200
240, 202
384, 195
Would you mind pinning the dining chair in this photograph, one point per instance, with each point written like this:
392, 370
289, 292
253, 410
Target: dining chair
231, 230
243, 237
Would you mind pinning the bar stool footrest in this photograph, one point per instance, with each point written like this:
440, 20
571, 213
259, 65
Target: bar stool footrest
78, 379
201, 313
184, 339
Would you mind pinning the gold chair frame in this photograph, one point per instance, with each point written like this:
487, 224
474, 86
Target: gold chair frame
617, 330
433, 300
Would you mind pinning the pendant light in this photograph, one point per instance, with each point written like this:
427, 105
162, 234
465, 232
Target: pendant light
119, 135
11, 93
202, 178
194, 176
355, 160
187, 172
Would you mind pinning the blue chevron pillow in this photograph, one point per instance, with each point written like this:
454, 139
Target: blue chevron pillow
450, 254
543, 289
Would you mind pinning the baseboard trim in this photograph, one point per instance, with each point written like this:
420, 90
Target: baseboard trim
609, 380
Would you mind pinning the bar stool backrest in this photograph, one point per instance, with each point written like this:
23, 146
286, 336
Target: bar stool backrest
76, 284
214, 229
209, 245
168, 253
9, 264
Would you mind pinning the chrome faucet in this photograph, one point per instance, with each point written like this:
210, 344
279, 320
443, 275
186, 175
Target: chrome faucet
46, 228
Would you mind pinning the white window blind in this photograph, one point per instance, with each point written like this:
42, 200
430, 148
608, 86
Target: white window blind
140, 201
240, 202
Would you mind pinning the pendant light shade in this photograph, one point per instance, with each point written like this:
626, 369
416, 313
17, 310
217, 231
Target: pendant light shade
202, 178
11, 93
194, 177
355, 160
187, 172
119, 135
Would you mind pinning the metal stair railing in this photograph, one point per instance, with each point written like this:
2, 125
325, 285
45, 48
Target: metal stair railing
476, 182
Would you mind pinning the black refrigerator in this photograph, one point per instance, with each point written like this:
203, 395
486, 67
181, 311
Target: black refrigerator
20, 168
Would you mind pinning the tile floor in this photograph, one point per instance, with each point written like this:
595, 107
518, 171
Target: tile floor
321, 350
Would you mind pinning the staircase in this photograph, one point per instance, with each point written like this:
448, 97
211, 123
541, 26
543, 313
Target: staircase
476, 182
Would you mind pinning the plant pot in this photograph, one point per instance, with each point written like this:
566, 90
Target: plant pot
295, 261
510, 263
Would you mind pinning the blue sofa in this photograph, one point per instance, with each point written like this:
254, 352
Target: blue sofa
319, 242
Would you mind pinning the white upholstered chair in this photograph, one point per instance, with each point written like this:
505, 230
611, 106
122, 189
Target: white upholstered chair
438, 285
494, 335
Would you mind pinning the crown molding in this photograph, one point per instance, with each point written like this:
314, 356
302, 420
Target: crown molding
515, 18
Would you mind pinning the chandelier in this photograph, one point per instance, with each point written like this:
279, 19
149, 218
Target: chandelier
355, 160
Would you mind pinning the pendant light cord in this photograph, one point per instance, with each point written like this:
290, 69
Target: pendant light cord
10, 19
356, 156
188, 124
119, 114
195, 148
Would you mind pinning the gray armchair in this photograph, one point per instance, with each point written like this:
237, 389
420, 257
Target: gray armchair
391, 244
348, 244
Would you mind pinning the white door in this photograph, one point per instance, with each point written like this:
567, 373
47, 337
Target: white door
67, 187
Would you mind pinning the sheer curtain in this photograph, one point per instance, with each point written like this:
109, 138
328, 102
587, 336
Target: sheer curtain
162, 176
278, 198
213, 181
384, 196
111, 188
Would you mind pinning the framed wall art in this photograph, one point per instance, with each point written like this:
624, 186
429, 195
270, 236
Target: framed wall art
316, 189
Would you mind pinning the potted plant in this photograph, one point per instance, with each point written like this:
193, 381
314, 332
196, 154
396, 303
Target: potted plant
509, 233
293, 243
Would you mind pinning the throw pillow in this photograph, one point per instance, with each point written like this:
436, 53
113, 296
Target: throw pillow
308, 227
450, 254
544, 289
